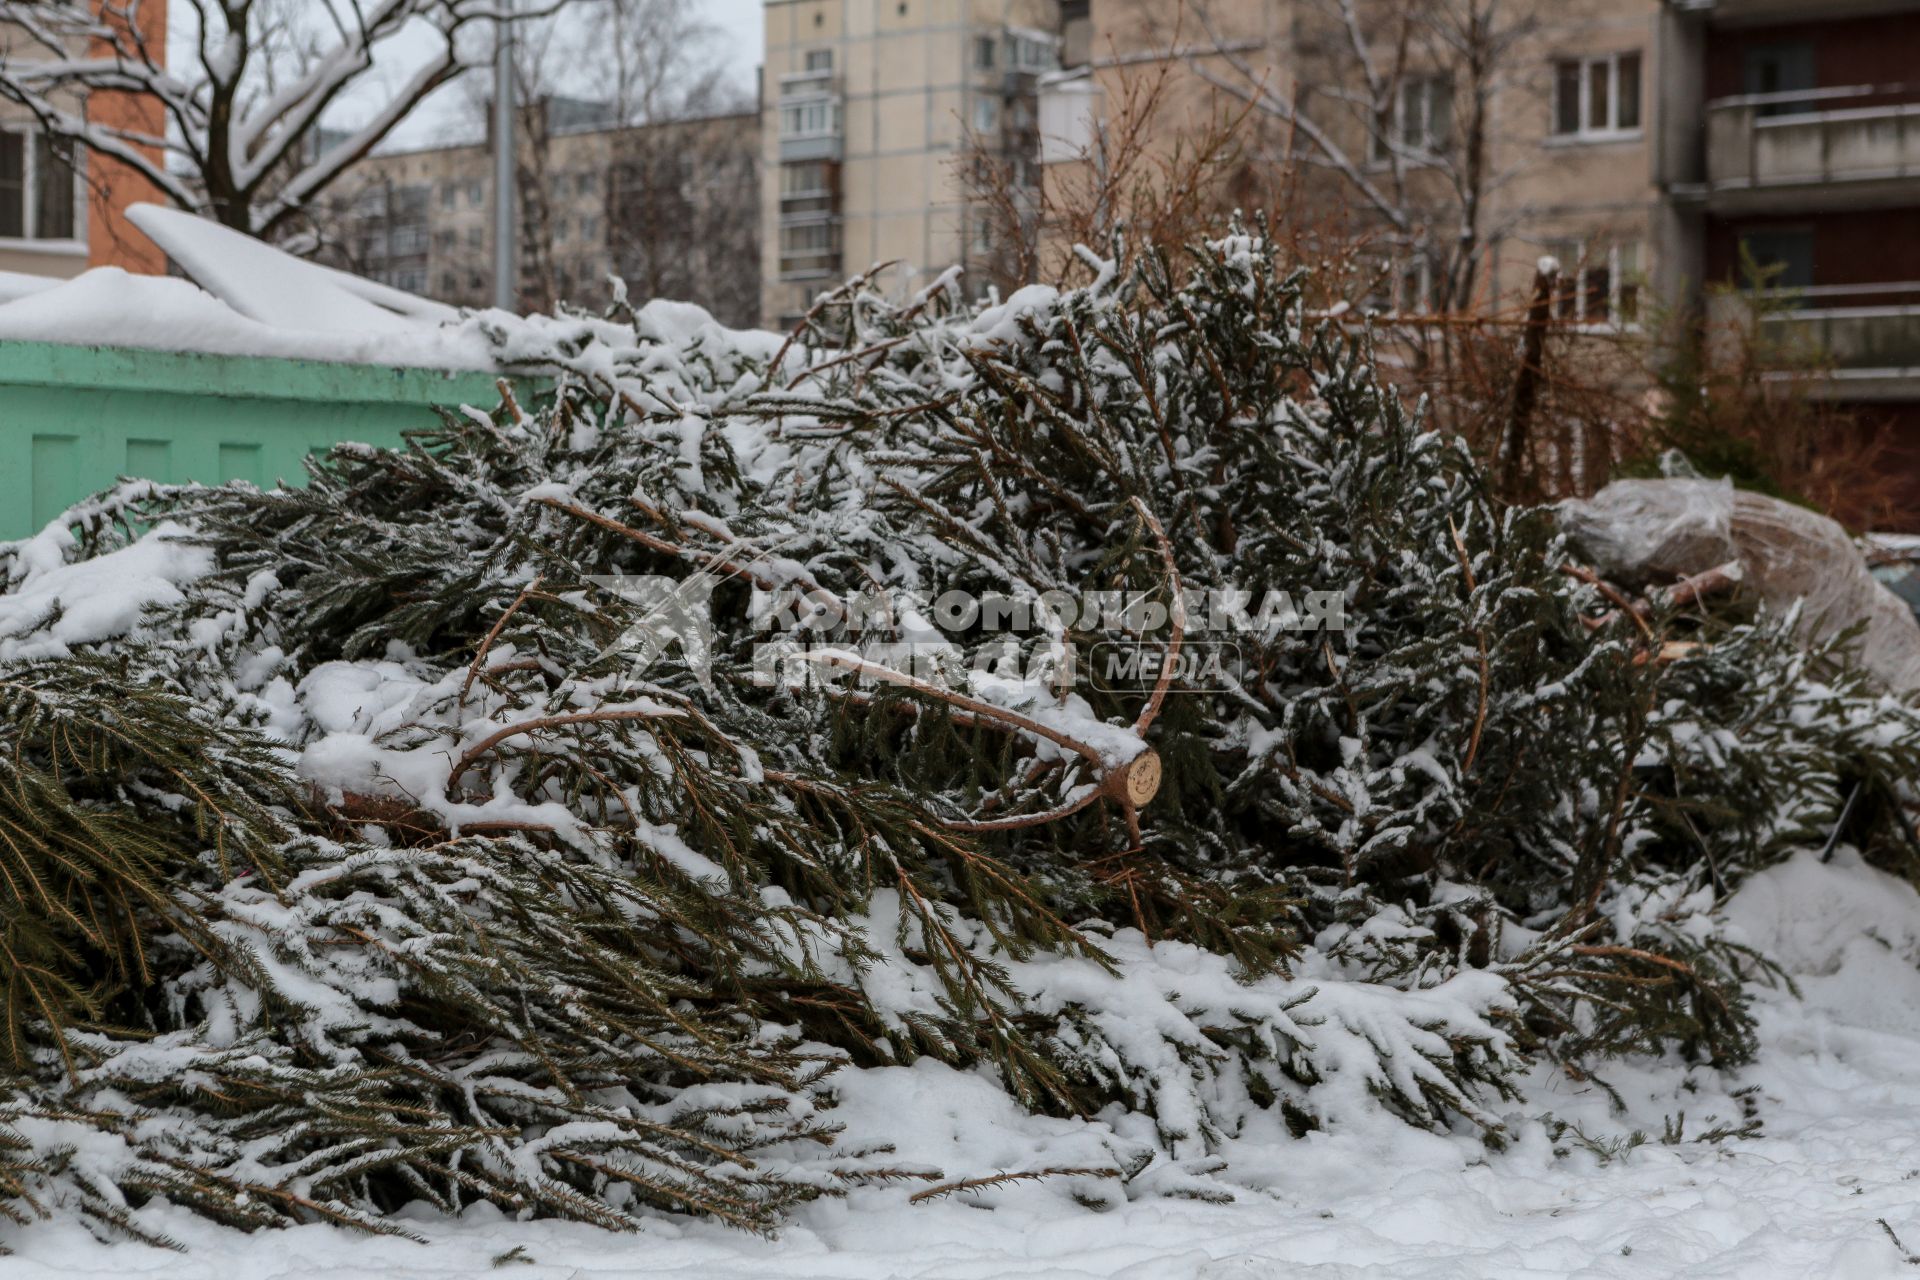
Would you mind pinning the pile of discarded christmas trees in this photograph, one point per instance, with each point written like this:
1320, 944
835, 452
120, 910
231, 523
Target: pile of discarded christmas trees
1116, 689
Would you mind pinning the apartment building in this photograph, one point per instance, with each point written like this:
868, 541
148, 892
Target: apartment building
871, 108
1790, 130
61, 213
1459, 151
672, 209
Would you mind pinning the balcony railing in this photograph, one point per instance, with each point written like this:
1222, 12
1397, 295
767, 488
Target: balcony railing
1866, 337
1851, 134
809, 114
809, 84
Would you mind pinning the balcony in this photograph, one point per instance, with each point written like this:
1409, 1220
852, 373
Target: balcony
809, 114
1867, 337
1795, 152
809, 246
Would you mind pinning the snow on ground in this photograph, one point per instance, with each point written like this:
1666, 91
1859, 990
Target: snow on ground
1835, 1085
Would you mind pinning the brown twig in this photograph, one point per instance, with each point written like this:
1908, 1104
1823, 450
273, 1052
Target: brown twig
1611, 592
855, 663
474, 669
1002, 1179
486, 744
1480, 639
1178, 609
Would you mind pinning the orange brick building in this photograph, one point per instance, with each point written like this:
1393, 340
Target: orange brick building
59, 216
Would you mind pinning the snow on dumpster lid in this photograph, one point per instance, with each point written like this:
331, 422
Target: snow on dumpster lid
248, 299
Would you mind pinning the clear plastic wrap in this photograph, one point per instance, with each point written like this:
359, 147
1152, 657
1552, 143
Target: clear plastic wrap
1641, 531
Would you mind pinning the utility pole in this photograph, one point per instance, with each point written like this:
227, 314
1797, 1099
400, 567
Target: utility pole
506, 277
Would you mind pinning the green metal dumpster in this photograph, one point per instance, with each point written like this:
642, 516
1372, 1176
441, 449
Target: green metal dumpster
75, 418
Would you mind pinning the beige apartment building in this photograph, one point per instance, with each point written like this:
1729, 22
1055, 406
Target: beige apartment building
1458, 154
870, 107
672, 209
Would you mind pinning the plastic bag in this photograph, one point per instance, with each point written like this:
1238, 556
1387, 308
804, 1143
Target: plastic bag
1637, 531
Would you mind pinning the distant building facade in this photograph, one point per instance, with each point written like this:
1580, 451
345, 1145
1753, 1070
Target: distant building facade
671, 209
870, 108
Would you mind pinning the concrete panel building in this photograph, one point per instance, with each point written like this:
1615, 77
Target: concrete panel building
672, 209
870, 107
1395, 129
1791, 136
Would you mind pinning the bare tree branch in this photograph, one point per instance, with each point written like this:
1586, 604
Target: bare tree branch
240, 144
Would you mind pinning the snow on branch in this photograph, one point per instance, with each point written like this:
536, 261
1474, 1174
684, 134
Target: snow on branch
243, 139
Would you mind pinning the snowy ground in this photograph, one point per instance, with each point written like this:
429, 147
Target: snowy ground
1837, 1087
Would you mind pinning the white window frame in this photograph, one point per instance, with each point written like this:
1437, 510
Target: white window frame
809, 118
1388, 295
1575, 256
981, 240
789, 191
1380, 145
809, 261
1420, 271
1033, 53
1586, 130
30, 197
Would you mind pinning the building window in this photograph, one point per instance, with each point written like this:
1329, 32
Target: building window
586, 184
408, 240
1596, 97
986, 115
811, 119
805, 179
36, 189
1401, 287
806, 187
1779, 71
1422, 119
819, 60
986, 50
1783, 257
807, 237
1032, 54
1599, 283
809, 248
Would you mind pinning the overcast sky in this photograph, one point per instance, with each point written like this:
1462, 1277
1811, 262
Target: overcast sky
741, 20
443, 118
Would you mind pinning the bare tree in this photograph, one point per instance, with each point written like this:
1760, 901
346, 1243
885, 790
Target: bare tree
243, 141
656, 60
1398, 102
651, 76
683, 218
